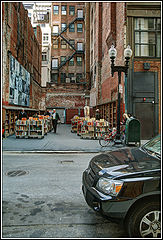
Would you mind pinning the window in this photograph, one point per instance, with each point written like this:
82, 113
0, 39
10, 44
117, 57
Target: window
40, 17
55, 10
54, 77
71, 62
54, 63
35, 31
71, 76
63, 26
72, 10
79, 76
55, 43
55, 29
80, 46
63, 44
63, 77
30, 16
64, 10
80, 13
79, 27
72, 42
147, 37
44, 56
79, 61
63, 59
45, 37
72, 27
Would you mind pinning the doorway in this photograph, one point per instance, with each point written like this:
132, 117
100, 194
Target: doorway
145, 102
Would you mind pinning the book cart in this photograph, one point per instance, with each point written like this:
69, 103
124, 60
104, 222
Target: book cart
88, 128
33, 127
36, 128
9, 122
21, 128
92, 128
101, 127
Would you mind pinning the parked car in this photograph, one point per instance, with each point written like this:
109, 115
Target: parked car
125, 186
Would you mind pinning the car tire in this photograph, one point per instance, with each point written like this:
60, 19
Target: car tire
149, 212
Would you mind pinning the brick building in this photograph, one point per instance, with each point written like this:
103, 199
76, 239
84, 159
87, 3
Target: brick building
136, 24
143, 87
21, 61
67, 90
80, 72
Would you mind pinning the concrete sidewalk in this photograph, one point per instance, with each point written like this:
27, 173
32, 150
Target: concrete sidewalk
64, 140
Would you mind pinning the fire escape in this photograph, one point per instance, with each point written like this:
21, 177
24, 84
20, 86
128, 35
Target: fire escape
75, 51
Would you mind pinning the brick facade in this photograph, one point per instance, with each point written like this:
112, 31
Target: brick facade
60, 93
113, 22
19, 40
107, 29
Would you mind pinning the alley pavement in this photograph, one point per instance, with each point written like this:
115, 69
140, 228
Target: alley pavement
62, 141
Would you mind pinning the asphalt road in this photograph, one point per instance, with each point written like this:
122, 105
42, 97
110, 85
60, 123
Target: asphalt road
47, 200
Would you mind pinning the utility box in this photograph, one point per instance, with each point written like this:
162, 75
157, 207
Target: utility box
132, 131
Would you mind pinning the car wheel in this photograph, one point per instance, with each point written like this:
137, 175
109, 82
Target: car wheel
145, 221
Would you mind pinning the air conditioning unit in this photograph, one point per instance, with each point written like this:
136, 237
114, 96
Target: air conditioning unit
67, 80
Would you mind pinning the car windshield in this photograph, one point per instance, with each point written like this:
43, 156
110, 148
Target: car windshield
153, 146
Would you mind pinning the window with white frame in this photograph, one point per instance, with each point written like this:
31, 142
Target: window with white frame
79, 27
71, 62
63, 59
55, 29
55, 43
55, 10
63, 10
63, 44
147, 32
72, 42
72, 27
54, 63
63, 26
72, 10
80, 13
80, 46
79, 61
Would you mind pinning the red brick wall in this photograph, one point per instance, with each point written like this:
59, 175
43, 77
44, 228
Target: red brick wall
112, 25
18, 37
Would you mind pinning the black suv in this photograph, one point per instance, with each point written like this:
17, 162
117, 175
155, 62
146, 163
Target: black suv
125, 186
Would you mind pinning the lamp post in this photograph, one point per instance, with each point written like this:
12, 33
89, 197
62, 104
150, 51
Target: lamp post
119, 69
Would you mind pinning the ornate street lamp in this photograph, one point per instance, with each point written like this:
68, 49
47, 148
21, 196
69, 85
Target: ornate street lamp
119, 69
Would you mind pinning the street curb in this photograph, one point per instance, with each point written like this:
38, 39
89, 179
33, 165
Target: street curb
49, 152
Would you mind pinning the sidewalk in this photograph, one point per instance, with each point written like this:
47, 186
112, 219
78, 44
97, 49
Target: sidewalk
64, 140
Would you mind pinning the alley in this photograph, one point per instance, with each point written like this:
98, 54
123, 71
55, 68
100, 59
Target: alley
46, 201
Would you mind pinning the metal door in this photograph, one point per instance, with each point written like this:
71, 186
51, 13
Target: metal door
145, 102
145, 113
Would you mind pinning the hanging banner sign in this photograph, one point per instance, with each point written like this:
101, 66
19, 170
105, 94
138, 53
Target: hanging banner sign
19, 83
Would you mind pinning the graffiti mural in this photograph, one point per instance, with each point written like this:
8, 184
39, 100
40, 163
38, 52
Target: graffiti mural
19, 84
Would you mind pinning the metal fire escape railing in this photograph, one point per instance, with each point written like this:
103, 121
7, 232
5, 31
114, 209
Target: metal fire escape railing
76, 51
